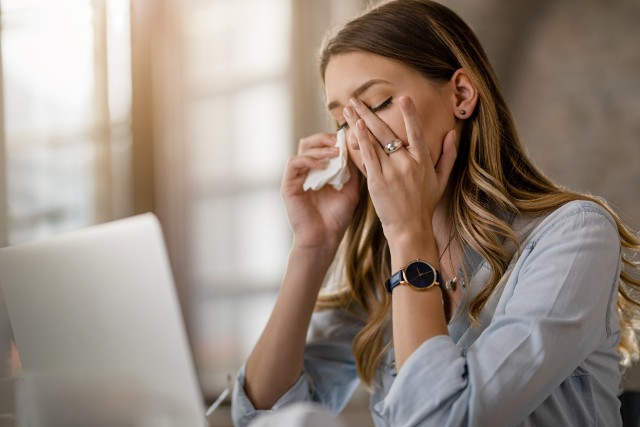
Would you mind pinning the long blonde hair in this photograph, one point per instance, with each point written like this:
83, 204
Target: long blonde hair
492, 174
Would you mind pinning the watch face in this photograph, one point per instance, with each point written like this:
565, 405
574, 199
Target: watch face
420, 274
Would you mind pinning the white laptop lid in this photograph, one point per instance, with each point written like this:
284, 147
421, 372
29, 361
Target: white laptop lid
99, 330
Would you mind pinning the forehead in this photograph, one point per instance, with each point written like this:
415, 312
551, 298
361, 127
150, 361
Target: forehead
347, 71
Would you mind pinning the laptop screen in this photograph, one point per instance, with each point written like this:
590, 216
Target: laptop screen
98, 327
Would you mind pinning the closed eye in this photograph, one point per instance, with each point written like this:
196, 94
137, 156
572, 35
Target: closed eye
380, 107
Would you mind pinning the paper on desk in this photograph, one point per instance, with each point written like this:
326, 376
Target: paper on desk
337, 171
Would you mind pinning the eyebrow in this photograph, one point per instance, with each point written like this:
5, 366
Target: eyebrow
363, 87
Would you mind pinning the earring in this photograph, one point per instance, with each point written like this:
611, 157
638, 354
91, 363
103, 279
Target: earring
463, 112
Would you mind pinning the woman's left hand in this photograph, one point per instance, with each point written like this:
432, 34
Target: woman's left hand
405, 186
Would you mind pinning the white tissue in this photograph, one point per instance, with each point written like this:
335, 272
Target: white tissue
336, 173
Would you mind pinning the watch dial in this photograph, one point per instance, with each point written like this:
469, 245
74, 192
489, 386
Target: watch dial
420, 274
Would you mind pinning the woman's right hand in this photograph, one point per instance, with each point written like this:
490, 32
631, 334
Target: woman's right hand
318, 218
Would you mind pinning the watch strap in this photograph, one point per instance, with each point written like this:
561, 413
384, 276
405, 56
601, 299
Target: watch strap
393, 281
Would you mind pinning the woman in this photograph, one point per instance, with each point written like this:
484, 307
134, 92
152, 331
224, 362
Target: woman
468, 289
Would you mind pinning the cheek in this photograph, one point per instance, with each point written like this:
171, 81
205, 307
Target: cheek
355, 156
395, 122
435, 126
352, 144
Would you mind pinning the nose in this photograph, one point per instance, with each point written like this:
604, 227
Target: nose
351, 140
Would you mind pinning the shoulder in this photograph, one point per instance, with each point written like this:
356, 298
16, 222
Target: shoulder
580, 209
578, 240
578, 218
579, 226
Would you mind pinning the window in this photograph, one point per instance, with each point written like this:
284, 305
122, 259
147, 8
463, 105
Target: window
238, 135
66, 87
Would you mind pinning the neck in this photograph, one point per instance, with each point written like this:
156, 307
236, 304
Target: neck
442, 226
448, 249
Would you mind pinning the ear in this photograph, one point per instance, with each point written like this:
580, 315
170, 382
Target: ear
465, 94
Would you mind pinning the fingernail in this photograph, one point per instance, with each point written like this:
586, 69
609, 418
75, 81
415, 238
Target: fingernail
353, 102
347, 112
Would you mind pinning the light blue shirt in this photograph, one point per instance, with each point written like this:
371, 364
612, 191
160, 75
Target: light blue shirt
545, 353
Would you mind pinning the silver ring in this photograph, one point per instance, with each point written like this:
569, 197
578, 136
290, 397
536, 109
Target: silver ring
392, 146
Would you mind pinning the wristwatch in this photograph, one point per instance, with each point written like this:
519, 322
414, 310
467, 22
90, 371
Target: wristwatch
418, 274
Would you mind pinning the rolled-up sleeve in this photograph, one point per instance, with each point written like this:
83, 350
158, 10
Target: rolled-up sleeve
552, 314
243, 411
329, 375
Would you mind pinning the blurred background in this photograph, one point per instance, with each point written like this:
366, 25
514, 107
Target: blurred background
190, 108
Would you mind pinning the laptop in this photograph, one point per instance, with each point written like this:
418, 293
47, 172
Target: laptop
99, 330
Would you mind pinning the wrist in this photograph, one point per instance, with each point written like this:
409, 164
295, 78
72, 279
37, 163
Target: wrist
411, 246
322, 254
305, 272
